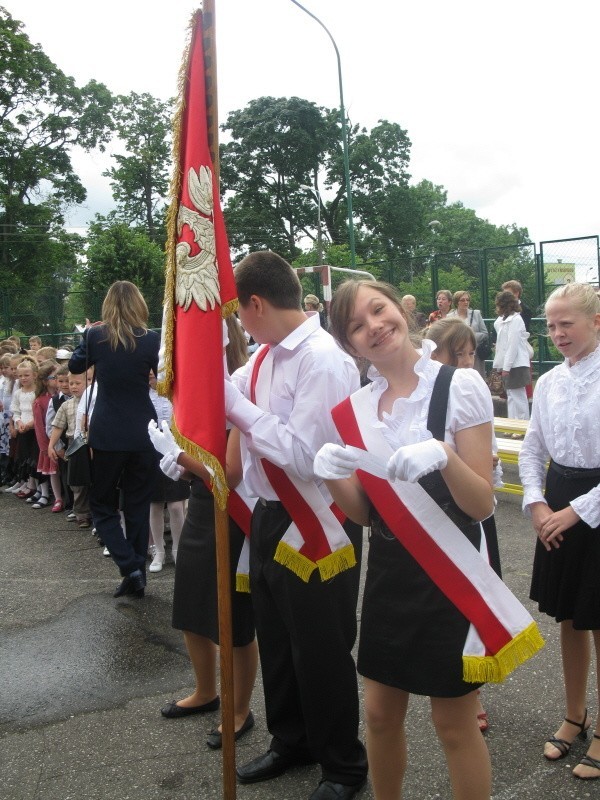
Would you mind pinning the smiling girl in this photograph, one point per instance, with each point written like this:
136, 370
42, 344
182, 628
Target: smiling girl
565, 426
427, 424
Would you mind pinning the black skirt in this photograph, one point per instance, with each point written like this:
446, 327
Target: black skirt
411, 635
195, 593
27, 454
566, 581
167, 490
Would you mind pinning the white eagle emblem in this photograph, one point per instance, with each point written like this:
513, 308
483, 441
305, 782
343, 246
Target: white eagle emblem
197, 277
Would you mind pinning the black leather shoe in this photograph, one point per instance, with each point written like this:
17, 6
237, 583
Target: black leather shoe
137, 584
268, 766
123, 587
173, 711
131, 584
328, 790
215, 741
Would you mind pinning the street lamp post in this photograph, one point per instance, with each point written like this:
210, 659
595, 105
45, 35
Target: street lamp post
344, 137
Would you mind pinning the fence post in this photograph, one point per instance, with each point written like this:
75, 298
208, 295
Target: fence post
483, 277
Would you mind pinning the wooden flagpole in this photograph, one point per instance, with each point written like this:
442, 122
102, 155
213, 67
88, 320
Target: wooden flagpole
221, 515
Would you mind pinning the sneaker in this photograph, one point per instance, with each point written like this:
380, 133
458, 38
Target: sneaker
105, 552
157, 563
14, 488
71, 516
84, 523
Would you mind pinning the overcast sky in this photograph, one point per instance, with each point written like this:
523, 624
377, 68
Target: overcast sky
499, 97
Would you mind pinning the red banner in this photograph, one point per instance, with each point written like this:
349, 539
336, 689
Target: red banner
200, 288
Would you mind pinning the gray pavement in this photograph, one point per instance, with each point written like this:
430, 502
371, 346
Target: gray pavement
83, 676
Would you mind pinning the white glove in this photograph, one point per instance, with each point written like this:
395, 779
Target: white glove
170, 467
413, 461
162, 438
238, 409
333, 462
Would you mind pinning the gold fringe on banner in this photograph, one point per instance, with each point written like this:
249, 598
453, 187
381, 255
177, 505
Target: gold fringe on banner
218, 482
494, 669
165, 385
242, 583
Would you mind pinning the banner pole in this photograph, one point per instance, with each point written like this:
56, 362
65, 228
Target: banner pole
221, 515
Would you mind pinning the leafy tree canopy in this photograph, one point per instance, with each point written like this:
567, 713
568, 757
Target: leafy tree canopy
140, 181
43, 115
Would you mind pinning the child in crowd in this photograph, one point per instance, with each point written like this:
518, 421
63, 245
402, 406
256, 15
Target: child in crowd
46, 388
455, 345
65, 422
45, 354
173, 493
5, 401
565, 513
63, 499
35, 343
11, 385
23, 428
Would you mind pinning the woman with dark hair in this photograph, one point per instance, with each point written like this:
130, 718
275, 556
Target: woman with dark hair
444, 303
473, 318
123, 352
513, 354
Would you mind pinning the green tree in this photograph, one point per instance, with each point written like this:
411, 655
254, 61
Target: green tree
140, 181
276, 150
43, 115
118, 252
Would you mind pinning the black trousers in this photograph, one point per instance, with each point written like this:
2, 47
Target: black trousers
305, 633
133, 473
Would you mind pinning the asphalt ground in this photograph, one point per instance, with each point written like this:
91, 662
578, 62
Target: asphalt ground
83, 677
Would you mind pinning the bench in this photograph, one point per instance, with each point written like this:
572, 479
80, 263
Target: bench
508, 448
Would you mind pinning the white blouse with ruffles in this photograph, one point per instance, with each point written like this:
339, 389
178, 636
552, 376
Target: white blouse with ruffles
469, 403
564, 426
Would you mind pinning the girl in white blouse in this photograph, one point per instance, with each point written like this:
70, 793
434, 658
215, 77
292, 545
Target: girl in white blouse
411, 637
565, 427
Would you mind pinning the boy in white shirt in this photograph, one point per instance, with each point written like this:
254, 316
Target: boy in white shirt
305, 621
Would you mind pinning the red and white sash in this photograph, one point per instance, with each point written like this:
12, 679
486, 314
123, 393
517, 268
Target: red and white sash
502, 633
240, 508
315, 539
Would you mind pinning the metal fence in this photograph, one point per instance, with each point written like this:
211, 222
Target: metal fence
481, 271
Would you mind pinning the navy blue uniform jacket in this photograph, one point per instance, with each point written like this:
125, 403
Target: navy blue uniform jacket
123, 407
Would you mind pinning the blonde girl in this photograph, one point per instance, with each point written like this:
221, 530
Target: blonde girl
565, 428
23, 426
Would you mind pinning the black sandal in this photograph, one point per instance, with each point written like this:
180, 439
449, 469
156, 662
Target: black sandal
562, 745
588, 761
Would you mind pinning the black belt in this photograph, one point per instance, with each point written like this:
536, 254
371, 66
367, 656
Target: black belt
574, 473
269, 503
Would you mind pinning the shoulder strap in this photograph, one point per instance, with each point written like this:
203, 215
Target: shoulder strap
438, 405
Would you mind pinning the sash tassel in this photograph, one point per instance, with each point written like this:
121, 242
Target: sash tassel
494, 669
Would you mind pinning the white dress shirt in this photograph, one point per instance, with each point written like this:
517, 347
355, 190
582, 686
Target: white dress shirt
311, 375
564, 426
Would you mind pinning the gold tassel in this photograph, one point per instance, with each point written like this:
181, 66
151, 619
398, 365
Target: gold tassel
494, 669
230, 307
242, 583
337, 562
288, 557
218, 482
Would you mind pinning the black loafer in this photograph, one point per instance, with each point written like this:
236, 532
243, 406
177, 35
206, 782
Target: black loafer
215, 741
267, 766
328, 790
173, 711
131, 584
